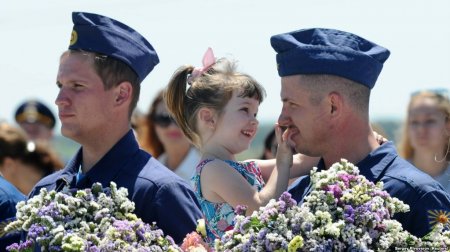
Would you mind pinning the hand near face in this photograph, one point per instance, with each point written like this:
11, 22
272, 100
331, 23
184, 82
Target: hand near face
285, 147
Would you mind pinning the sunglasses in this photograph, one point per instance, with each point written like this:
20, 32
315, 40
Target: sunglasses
163, 120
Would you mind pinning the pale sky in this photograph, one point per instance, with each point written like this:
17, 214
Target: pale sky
35, 33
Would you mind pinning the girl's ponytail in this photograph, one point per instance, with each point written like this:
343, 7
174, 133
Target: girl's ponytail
175, 98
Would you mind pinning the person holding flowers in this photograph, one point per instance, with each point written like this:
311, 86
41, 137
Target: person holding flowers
99, 81
216, 107
326, 79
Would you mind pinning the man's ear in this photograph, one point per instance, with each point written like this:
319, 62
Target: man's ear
207, 117
336, 102
123, 92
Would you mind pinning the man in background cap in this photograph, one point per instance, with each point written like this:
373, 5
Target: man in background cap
36, 119
326, 78
99, 81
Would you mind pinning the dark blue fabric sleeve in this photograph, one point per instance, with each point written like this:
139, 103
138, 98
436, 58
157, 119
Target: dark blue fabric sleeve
177, 210
298, 188
8, 240
427, 211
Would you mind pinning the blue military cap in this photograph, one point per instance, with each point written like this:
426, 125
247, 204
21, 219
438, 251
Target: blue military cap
104, 35
329, 51
33, 111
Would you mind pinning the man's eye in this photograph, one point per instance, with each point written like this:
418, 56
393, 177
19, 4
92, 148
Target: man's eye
430, 122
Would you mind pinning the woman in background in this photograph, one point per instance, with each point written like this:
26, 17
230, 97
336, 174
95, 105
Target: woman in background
425, 138
165, 141
23, 162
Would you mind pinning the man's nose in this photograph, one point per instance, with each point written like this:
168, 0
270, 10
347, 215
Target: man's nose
283, 119
61, 98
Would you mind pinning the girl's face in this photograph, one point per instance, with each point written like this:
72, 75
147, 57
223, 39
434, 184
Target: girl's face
427, 125
238, 124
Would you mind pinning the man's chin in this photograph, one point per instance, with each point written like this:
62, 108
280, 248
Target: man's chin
66, 132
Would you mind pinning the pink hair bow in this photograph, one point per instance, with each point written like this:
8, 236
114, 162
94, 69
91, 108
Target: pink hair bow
208, 61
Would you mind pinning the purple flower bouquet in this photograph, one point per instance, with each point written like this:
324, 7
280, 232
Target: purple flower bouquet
95, 219
344, 212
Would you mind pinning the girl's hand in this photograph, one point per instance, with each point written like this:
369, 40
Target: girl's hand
284, 150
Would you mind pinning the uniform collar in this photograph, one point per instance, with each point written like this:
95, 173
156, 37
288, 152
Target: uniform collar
107, 168
67, 175
375, 164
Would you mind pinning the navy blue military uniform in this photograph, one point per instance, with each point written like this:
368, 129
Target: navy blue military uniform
159, 195
324, 51
9, 197
426, 197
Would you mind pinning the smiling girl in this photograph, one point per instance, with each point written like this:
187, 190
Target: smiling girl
216, 107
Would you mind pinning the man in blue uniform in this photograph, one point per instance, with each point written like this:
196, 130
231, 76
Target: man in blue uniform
99, 83
326, 78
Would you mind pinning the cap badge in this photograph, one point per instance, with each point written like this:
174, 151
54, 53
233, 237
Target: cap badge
73, 37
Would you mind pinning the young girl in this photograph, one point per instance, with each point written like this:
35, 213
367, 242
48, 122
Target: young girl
216, 108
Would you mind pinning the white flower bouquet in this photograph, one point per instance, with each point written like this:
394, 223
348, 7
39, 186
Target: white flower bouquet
95, 219
343, 212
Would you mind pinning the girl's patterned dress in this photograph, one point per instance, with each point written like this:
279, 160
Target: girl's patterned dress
219, 216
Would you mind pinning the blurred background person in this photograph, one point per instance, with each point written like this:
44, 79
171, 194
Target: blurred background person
36, 119
165, 141
138, 124
23, 162
425, 139
270, 146
9, 197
